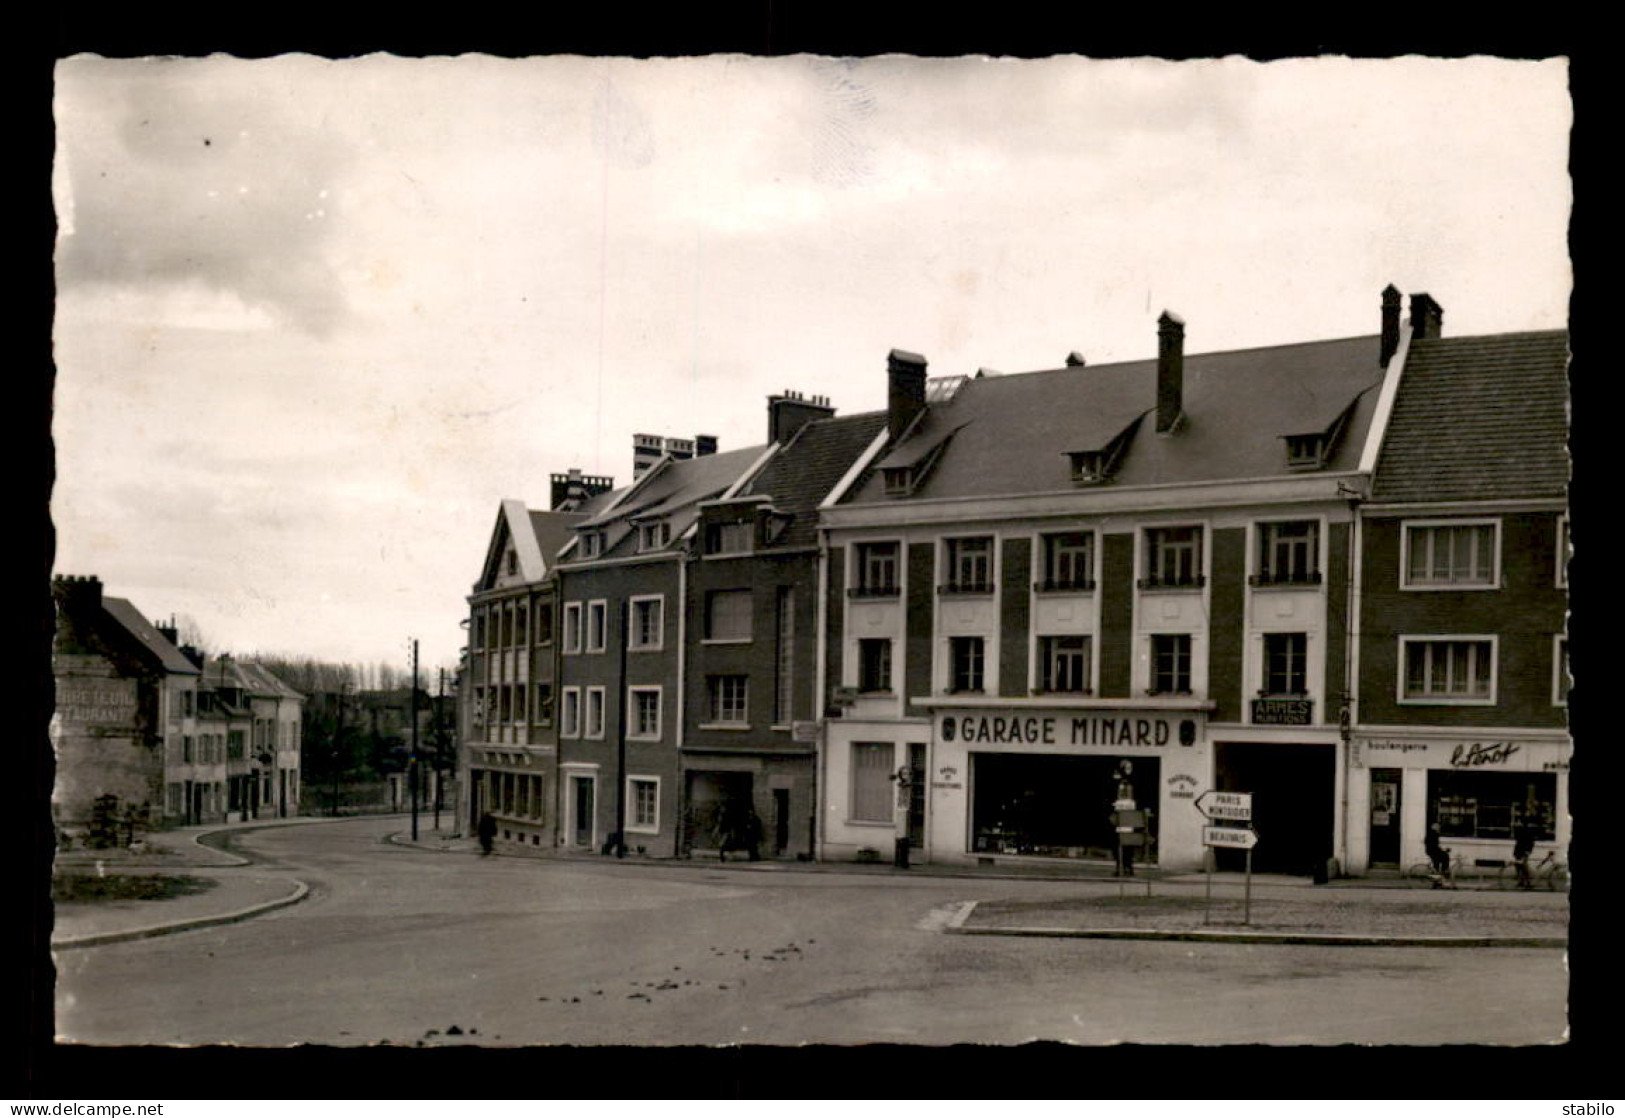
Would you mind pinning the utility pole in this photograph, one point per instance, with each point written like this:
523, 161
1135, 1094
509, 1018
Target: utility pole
620, 736
439, 744
338, 743
413, 763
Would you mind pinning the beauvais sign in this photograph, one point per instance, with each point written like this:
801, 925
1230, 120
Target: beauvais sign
1239, 837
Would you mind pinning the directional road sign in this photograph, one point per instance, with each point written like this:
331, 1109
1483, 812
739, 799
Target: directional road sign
1236, 807
1238, 837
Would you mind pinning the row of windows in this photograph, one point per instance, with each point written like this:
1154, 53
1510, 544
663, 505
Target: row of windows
517, 795
203, 749
1436, 669
507, 625
581, 712
1453, 554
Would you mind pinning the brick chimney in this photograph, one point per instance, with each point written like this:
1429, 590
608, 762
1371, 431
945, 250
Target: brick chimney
1076, 360
1390, 324
571, 489
646, 451
1427, 318
169, 631
78, 591
905, 395
704, 444
790, 411
1170, 371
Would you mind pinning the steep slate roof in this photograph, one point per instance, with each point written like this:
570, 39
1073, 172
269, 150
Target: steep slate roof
672, 494
1479, 418
1014, 431
801, 475
130, 619
553, 530
265, 681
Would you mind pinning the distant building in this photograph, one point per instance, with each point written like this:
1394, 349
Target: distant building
176, 738
121, 707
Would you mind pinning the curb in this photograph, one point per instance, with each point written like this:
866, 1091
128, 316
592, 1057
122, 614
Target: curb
1322, 939
925, 869
301, 890
766, 866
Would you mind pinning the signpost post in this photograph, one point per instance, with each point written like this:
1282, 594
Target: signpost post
1230, 815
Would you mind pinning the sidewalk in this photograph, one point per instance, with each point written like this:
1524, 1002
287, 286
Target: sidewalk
1342, 917
227, 898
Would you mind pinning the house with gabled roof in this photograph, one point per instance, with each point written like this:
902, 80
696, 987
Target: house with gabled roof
1461, 646
621, 582
278, 712
1053, 592
119, 711
752, 604
509, 763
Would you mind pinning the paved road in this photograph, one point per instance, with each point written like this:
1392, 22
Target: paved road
400, 944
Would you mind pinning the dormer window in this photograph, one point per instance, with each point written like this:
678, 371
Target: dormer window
1088, 466
730, 538
898, 479
1306, 452
654, 536
592, 544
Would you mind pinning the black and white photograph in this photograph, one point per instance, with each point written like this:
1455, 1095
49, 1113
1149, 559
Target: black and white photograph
741, 550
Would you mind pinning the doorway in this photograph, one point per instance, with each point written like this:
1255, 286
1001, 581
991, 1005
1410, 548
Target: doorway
781, 821
582, 834
1385, 801
1294, 790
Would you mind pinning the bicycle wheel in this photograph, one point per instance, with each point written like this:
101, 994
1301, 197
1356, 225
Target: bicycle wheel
1420, 871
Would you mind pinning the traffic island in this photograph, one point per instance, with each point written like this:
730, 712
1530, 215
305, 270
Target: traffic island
1321, 920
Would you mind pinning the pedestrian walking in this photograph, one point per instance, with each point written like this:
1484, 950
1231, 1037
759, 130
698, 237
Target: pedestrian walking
487, 832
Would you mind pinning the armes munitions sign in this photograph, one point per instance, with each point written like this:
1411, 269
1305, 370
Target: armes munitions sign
1283, 712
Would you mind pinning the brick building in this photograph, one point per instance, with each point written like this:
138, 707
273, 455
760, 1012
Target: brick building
1050, 576
509, 728
1329, 574
750, 697
1462, 691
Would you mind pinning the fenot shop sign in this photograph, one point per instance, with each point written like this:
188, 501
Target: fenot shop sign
1048, 729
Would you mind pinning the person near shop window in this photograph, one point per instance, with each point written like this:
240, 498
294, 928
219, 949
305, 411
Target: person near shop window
1523, 845
1439, 855
487, 832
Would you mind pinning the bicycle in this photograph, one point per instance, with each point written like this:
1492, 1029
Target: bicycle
1424, 871
1550, 872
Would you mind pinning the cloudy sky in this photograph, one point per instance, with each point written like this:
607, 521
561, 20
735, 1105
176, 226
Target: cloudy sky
317, 318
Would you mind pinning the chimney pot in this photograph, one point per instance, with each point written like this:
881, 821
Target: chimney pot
1170, 370
1075, 360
